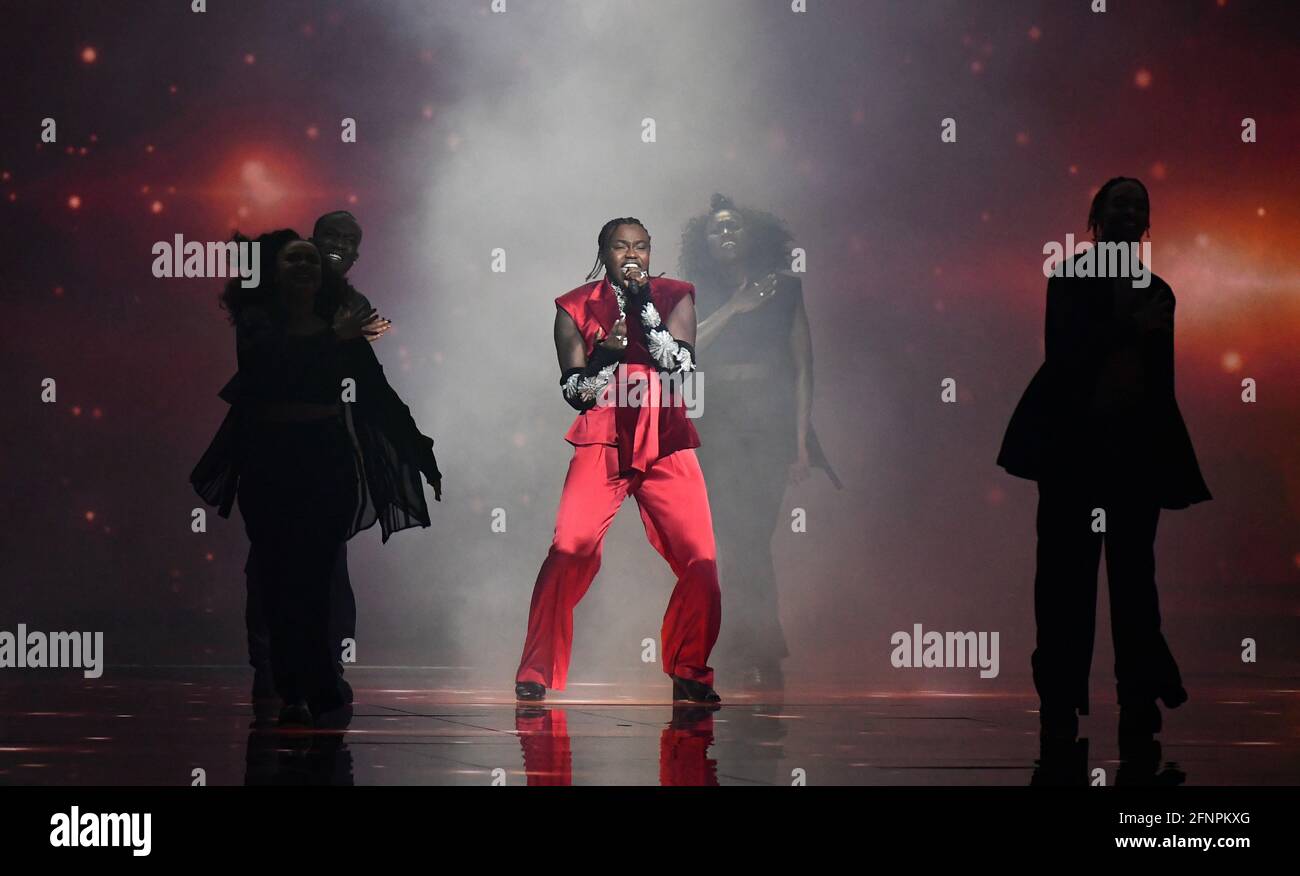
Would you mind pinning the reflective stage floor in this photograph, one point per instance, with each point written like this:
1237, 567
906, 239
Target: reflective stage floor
432, 726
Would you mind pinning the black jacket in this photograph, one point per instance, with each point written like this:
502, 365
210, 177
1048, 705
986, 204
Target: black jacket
1053, 431
391, 451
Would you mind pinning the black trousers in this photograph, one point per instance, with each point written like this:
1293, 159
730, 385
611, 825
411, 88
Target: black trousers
297, 494
1065, 592
746, 477
343, 611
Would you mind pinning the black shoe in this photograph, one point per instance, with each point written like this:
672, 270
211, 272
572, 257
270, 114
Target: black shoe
529, 691
689, 716
1057, 724
1139, 720
327, 701
295, 714
695, 691
1173, 697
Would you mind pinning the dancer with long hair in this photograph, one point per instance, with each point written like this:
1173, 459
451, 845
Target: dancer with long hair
316, 447
337, 237
757, 428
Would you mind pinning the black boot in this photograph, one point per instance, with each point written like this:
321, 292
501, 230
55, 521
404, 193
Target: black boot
295, 714
529, 691
1173, 697
327, 700
695, 691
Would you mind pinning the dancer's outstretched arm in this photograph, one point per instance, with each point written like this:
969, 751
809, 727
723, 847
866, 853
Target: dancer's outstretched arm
377, 398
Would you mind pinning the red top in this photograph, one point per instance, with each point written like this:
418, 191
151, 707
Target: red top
642, 432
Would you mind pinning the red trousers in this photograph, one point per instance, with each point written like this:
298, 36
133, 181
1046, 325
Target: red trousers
675, 510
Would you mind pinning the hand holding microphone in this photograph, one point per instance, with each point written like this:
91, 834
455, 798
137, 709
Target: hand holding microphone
633, 274
638, 286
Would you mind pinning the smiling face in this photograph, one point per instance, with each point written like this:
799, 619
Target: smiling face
726, 237
1126, 215
338, 238
298, 269
628, 248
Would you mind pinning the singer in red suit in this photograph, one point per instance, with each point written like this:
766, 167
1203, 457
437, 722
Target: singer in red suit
615, 338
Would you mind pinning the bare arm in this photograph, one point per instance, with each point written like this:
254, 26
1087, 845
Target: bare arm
569, 348
748, 297
712, 324
582, 381
681, 322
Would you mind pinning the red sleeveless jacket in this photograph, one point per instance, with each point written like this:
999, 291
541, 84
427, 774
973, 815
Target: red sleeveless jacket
651, 430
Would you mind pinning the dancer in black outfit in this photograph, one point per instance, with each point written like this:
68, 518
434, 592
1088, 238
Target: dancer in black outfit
757, 414
337, 236
1099, 427
310, 464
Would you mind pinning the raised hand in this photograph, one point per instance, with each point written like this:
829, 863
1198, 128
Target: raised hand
376, 328
617, 341
349, 321
754, 295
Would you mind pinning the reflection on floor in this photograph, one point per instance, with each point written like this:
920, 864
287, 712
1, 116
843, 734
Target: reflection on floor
431, 726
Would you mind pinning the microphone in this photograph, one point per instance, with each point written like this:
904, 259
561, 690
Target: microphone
634, 281
637, 282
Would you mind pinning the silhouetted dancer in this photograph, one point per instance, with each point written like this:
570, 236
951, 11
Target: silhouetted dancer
1099, 428
337, 236
756, 429
619, 334
316, 447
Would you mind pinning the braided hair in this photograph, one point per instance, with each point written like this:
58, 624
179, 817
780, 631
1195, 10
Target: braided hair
602, 241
